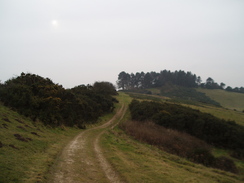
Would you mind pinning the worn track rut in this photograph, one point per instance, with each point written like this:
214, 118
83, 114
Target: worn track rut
82, 160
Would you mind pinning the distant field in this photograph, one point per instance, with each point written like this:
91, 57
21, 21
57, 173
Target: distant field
221, 113
155, 91
230, 100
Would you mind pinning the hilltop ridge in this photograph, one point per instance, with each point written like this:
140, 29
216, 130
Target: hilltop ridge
141, 80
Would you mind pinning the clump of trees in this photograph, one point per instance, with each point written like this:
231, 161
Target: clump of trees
153, 79
215, 131
236, 89
211, 84
141, 80
40, 98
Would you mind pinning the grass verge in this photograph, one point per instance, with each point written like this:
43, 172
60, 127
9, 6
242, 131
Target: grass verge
139, 162
28, 149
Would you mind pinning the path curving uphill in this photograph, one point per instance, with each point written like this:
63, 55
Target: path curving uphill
82, 160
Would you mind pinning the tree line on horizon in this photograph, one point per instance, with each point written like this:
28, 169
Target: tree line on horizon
41, 99
141, 80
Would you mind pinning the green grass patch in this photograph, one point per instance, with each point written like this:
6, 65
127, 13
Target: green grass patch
186, 95
123, 98
230, 100
140, 96
154, 91
220, 112
139, 162
28, 149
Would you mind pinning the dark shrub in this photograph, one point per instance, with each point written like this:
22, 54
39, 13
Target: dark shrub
215, 131
238, 153
203, 156
41, 99
226, 164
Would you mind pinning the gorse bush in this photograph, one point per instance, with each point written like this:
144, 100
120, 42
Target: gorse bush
215, 131
40, 98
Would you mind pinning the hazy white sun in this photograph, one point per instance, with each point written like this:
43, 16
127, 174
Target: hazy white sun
54, 22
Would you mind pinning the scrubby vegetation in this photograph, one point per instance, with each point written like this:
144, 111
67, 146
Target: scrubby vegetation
41, 99
179, 143
215, 131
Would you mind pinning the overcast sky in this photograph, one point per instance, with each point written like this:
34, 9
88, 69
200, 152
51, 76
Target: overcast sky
77, 42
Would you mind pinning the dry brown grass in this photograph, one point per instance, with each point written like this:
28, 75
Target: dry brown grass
175, 142
167, 139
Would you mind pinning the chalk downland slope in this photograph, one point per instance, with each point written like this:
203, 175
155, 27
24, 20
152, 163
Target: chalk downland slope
230, 100
140, 162
28, 150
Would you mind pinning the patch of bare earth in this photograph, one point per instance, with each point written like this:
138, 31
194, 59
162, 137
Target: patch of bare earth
82, 160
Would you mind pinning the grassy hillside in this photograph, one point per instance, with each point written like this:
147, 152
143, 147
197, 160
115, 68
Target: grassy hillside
28, 149
138, 162
221, 112
230, 100
223, 97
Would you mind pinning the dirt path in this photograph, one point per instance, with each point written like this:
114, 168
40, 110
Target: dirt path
82, 160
